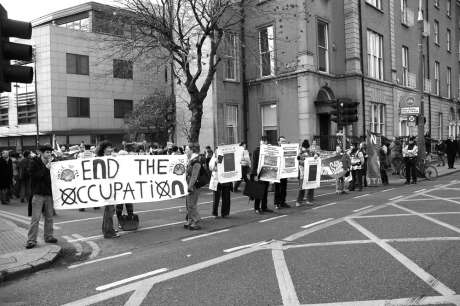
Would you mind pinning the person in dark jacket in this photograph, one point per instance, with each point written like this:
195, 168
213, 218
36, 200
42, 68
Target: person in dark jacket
254, 173
42, 197
223, 190
451, 151
383, 158
281, 187
441, 151
6, 177
25, 191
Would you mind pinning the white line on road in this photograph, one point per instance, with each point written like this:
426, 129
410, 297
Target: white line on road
330, 204
363, 208
442, 199
245, 246
395, 198
130, 279
23, 219
324, 194
98, 260
416, 300
78, 246
387, 189
361, 196
420, 190
409, 264
285, 283
271, 219
204, 235
95, 248
316, 223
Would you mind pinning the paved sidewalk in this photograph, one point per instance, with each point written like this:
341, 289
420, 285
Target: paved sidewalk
15, 260
443, 170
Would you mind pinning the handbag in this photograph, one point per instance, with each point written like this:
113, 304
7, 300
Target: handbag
255, 190
129, 222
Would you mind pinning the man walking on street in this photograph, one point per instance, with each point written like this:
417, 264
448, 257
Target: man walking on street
451, 150
42, 198
6, 177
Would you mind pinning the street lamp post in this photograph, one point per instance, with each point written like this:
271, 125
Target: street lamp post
37, 136
421, 117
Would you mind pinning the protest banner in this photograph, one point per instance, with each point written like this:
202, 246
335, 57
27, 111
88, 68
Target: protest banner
289, 162
229, 163
312, 173
331, 168
269, 163
373, 163
100, 181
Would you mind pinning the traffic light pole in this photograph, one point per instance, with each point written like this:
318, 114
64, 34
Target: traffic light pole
421, 121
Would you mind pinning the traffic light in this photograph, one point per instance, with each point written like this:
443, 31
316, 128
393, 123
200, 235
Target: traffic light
14, 51
348, 111
335, 113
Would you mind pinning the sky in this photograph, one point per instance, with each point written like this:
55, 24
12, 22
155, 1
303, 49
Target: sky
27, 10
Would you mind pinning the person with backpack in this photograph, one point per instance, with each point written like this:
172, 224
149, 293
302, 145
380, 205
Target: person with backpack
223, 190
195, 173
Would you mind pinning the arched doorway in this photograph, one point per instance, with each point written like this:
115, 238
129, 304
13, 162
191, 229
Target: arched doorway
323, 99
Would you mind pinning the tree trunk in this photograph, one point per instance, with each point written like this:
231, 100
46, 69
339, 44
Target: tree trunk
196, 108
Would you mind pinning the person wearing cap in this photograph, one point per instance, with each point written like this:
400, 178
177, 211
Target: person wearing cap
41, 197
410, 153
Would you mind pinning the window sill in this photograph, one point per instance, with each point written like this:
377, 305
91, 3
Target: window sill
231, 81
405, 25
262, 2
437, 44
374, 7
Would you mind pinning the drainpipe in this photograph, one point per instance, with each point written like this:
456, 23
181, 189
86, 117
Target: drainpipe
361, 51
243, 74
427, 60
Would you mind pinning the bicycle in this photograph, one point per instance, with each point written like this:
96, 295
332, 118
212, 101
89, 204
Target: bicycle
424, 169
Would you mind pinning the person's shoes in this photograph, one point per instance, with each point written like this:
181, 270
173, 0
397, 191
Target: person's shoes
258, 211
344, 192
81, 209
186, 226
51, 240
309, 203
360, 189
414, 182
96, 208
30, 245
298, 204
225, 216
194, 227
407, 183
115, 235
216, 217
267, 210
277, 206
120, 227
285, 205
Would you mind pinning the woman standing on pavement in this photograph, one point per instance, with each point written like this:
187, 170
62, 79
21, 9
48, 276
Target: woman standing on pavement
357, 160
305, 151
245, 166
105, 149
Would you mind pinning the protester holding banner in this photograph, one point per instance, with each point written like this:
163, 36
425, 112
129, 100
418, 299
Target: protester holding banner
42, 197
410, 153
245, 166
191, 200
281, 187
383, 158
255, 166
129, 206
340, 181
357, 161
363, 150
222, 190
305, 152
105, 149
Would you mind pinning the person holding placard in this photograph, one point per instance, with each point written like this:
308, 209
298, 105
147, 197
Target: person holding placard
255, 164
357, 162
245, 166
305, 152
222, 190
281, 187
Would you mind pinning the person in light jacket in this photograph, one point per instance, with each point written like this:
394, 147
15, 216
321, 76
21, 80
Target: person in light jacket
223, 190
245, 166
191, 200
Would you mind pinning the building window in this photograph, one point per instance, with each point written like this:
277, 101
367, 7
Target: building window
404, 17
81, 24
77, 107
449, 7
376, 3
26, 108
323, 46
375, 55
231, 123
77, 64
270, 122
4, 111
449, 82
405, 65
121, 108
378, 118
448, 40
439, 125
436, 32
266, 50
230, 57
436, 78
122, 69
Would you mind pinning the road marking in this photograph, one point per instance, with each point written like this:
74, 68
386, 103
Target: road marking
271, 219
245, 246
364, 195
420, 190
321, 244
98, 260
204, 235
443, 199
130, 279
24, 220
287, 288
416, 300
383, 216
446, 225
387, 189
423, 239
324, 194
78, 246
316, 223
363, 208
412, 266
94, 247
395, 198
330, 204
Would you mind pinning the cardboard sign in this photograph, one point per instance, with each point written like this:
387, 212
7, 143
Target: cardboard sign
269, 163
229, 163
312, 173
289, 162
112, 180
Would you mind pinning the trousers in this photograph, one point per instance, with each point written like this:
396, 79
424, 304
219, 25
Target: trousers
39, 203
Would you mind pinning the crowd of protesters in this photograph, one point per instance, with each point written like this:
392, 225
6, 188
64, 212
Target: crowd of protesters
26, 176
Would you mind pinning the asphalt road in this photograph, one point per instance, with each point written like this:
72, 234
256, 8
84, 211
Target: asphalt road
394, 245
